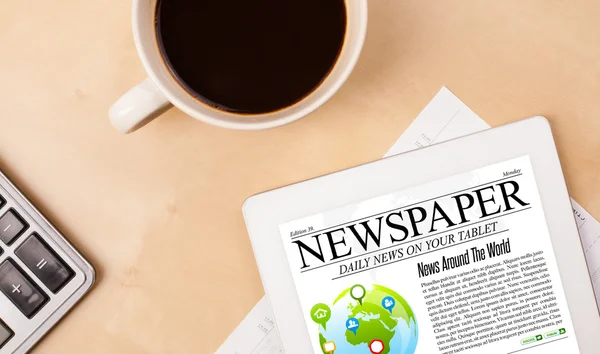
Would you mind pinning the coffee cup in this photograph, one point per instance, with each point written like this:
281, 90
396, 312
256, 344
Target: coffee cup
163, 89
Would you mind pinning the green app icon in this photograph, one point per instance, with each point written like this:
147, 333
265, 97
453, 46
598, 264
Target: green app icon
320, 313
358, 292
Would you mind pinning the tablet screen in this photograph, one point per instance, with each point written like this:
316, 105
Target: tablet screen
462, 264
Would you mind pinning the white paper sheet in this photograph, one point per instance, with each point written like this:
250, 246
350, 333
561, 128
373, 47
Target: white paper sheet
256, 334
589, 231
445, 117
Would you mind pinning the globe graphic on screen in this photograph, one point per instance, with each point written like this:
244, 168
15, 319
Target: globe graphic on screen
365, 320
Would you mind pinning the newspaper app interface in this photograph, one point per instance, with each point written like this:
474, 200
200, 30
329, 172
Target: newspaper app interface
462, 264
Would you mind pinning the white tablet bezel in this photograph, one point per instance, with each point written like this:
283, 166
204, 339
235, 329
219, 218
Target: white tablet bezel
266, 211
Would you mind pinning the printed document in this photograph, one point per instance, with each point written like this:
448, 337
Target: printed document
462, 264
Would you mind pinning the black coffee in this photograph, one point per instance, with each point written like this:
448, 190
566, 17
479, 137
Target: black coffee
250, 56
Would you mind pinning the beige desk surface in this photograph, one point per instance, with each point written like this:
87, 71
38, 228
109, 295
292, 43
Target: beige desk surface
158, 212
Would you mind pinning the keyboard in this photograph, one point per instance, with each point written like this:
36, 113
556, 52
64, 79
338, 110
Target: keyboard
41, 275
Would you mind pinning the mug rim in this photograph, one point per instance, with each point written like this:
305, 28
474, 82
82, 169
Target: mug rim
250, 122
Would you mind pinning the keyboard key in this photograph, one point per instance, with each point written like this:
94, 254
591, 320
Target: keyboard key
11, 226
44, 263
5, 333
2, 201
20, 289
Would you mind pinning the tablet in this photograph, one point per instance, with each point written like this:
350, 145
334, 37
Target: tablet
467, 246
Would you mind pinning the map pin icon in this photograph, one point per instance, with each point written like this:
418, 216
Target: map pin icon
388, 303
321, 313
352, 325
358, 292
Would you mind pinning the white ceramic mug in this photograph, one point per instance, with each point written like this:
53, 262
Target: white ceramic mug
157, 93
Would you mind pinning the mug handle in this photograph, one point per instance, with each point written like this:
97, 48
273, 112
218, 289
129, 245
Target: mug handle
138, 106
